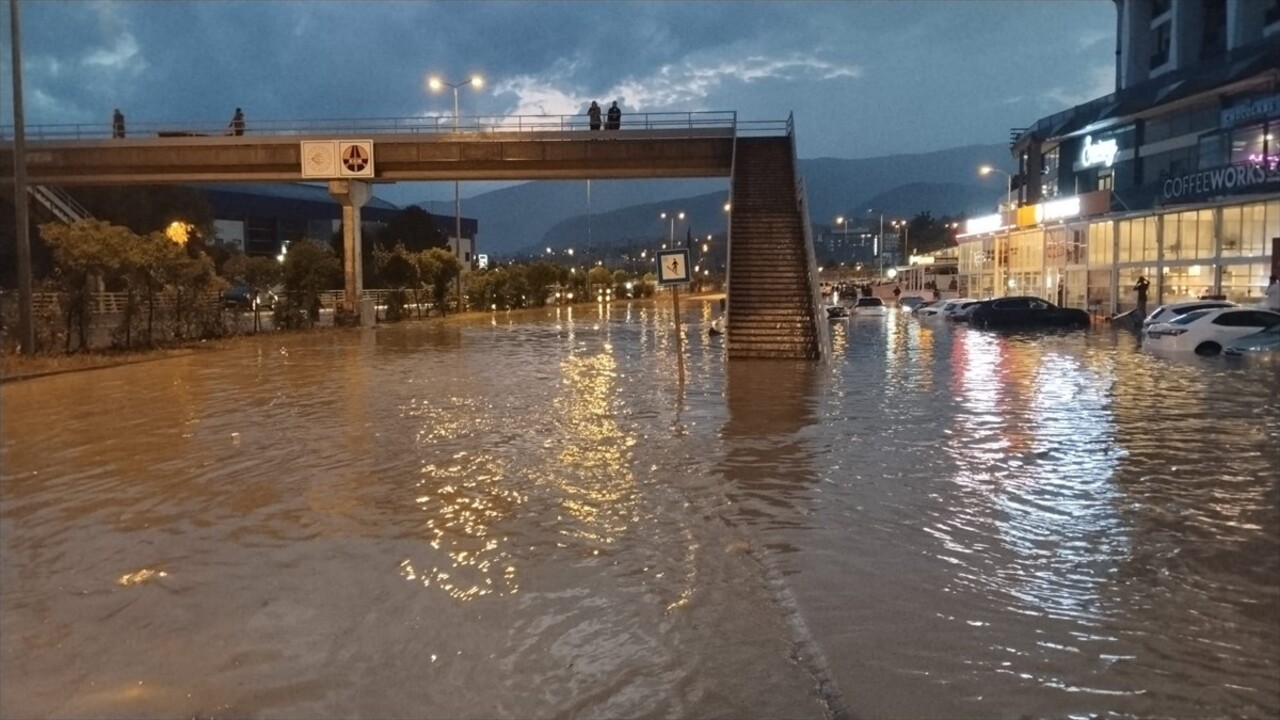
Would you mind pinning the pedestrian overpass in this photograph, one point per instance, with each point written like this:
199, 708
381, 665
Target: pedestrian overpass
774, 308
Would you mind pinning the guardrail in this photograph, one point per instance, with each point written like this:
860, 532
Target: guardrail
108, 303
478, 126
817, 313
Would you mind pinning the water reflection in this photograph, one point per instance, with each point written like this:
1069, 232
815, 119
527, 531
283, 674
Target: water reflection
443, 516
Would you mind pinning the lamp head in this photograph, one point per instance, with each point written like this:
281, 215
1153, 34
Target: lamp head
476, 81
985, 170
434, 83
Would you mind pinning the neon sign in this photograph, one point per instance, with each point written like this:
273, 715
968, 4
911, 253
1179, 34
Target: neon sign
1097, 153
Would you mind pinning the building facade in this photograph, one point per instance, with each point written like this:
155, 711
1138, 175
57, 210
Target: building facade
1174, 177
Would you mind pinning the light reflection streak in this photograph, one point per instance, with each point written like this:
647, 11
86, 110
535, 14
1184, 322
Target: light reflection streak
1035, 453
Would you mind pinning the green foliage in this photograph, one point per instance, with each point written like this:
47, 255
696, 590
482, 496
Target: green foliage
412, 228
148, 208
599, 277
438, 269
309, 269
542, 275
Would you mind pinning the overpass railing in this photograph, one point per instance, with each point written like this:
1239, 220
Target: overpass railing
696, 124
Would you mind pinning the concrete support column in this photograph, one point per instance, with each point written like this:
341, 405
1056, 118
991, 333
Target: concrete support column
352, 195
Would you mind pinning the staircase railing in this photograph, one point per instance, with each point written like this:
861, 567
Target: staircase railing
728, 243
815, 291
63, 206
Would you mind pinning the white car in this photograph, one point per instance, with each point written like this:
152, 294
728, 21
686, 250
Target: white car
961, 312
942, 308
1169, 313
870, 306
1206, 332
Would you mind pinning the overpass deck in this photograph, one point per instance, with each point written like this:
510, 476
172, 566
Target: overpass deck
665, 145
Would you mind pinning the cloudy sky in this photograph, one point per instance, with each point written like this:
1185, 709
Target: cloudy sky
863, 77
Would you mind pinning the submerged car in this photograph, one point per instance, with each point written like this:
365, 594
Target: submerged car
869, 306
909, 303
1207, 332
941, 308
1263, 341
1169, 313
1025, 311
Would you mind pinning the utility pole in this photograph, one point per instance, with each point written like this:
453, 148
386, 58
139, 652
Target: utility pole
22, 235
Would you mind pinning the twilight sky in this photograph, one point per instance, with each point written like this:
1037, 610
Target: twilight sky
863, 77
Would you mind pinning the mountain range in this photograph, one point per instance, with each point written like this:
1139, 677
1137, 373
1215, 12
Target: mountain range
558, 214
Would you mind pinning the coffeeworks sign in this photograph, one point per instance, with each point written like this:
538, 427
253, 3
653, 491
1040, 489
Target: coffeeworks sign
1227, 180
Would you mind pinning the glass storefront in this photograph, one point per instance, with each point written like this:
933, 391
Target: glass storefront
1095, 264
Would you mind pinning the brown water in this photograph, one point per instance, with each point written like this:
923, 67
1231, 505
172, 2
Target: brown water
534, 517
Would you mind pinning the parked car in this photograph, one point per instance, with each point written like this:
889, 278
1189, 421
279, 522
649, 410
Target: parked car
909, 303
837, 312
1263, 341
1168, 313
241, 296
928, 308
961, 312
941, 308
1025, 311
869, 306
1206, 332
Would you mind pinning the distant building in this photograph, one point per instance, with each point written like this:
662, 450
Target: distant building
259, 218
1175, 176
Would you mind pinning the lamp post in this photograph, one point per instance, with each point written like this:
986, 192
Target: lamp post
906, 231
671, 237
437, 83
842, 220
996, 285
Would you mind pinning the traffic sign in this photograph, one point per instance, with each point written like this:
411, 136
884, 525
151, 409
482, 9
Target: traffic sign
673, 267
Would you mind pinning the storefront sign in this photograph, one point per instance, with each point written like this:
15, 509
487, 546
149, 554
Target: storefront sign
1058, 209
983, 224
1258, 109
1219, 181
1100, 152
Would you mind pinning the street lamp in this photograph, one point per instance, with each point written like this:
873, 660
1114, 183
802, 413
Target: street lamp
1008, 208
436, 83
842, 220
671, 238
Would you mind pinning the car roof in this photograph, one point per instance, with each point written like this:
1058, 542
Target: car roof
1202, 303
1215, 312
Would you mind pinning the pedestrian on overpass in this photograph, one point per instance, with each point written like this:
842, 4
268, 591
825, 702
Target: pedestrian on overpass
614, 120
237, 123
593, 114
117, 124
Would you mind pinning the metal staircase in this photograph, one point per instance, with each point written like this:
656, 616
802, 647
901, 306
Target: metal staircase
773, 306
59, 203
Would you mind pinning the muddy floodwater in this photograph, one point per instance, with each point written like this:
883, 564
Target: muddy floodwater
535, 516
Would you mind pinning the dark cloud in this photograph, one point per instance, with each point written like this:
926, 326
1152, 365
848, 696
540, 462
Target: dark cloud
863, 78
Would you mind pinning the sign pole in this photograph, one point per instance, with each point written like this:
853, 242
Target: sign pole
675, 310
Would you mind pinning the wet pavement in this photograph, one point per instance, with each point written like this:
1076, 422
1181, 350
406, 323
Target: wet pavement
533, 515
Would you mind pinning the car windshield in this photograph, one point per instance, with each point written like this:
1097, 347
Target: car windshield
870, 302
1190, 317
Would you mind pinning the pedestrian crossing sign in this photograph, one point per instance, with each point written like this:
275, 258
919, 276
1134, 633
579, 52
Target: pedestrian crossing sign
673, 267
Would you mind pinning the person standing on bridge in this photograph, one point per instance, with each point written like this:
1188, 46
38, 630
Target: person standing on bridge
117, 124
593, 114
237, 123
614, 120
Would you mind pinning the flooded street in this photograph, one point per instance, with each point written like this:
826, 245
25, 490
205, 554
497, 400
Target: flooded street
533, 516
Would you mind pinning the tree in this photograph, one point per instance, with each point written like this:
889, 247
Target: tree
309, 269
148, 208
398, 269
439, 268
258, 273
84, 251
413, 228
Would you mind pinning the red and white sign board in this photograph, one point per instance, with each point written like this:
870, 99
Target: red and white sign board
332, 159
